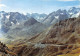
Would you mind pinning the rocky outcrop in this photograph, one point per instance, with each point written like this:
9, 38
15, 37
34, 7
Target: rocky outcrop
64, 32
61, 38
5, 51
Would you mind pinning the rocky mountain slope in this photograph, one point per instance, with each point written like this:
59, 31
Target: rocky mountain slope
38, 17
53, 17
64, 32
8, 19
15, 18
27, 29
58, 15
5, 51
61, 39
14, 24
74, 12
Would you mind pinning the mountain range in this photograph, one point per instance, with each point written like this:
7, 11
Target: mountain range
60, 39
56, 34
38, 17
16, 17
58, 15
32, 24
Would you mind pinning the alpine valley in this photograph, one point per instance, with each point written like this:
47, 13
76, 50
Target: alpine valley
54, 34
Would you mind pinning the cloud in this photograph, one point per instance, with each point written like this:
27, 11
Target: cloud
3, 5
66, 0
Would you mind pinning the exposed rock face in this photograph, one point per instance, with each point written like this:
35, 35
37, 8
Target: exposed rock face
38, 17
58, 15
61, 38
4, 51
74, 12
11, 18
30, 22
64, 32
16, 25
27, 29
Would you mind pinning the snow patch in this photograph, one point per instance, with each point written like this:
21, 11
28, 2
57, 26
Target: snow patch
76, 15
12, 23
57, 17
61, 13
2, 15
7, 16
71, 13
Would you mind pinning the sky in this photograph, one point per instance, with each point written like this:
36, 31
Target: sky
36, 6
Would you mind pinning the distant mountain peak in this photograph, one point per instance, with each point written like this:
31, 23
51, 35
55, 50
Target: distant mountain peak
30, 22
60, 14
